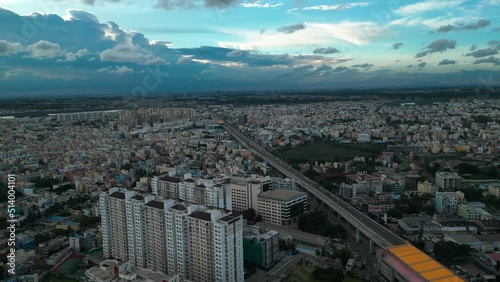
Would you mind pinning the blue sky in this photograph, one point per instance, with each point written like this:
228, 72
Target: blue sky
121, 46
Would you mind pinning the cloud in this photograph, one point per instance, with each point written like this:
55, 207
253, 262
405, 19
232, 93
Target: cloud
192, 4
328, 50
117, 70
483, 53
235, 53
472, 26
80, 15
258, 4
426, 6
489, 60
447, 62
495, 44
439, 45
421, 65
337, 7
44, 50
396, 46
9, 48
130, 54
496, 29
291, 28
473, 47
362, 66
71, 57
409, 66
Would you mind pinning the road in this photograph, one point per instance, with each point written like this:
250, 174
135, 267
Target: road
296, 234
370, 228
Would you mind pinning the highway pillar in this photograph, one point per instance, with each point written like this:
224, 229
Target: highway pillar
357, 235
371, 245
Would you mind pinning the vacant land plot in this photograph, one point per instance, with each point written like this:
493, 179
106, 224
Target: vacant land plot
331, 151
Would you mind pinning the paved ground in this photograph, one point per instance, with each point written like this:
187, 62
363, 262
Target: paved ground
296, 234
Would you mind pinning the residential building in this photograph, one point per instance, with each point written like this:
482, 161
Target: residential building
448, 181
426, 188
124, 271
494, 189
472, 213
448, 202
244, 193
281, 206
260, 247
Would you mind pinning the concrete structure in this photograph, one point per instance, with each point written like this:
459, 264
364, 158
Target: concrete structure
448, 181
426, 187
465, 239
244, 193
448, 202
281, 206
168, 237
260, 247
494, 189
119, 271
472, 213
405, 263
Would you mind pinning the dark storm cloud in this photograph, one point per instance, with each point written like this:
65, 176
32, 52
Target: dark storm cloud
483, 53
396, 46
473, 47
421, 65
447, 62
439, 45
490, 60
291, 28
472, 26
409, 66
328, 50
362, 66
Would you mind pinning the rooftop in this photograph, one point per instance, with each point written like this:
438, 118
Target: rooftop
282, 194
201, 215
155, 204
118, 195
420, 263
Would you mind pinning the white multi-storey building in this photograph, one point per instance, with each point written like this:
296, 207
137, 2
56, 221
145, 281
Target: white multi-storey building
281, 206
156, 233
448, 202
448, 181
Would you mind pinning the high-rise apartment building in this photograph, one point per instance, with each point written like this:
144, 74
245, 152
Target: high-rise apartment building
281, 206
162, 235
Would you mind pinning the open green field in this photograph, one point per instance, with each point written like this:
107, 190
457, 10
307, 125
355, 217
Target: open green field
331, 151
300, 273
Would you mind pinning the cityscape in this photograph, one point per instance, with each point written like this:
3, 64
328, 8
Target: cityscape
249, 141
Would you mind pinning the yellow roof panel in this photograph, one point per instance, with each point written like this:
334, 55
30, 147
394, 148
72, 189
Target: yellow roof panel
438, 273
426, 266
423, 264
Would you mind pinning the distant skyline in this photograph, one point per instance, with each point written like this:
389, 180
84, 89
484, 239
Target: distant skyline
113, 46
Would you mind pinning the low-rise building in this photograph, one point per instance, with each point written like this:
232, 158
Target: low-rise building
472, 213
118, 271
494, 189
448, 181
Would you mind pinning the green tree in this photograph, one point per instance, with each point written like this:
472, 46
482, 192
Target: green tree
446, 251
344, 255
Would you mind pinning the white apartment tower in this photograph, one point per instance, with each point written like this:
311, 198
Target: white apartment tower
199, 244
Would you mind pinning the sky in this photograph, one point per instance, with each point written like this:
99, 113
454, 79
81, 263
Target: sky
69, 47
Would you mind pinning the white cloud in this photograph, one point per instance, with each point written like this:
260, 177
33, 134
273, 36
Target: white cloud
337, 7
71, 57
258, 4
9, 48
318, 33
130, 54
117, 70
425, 6
44, 50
